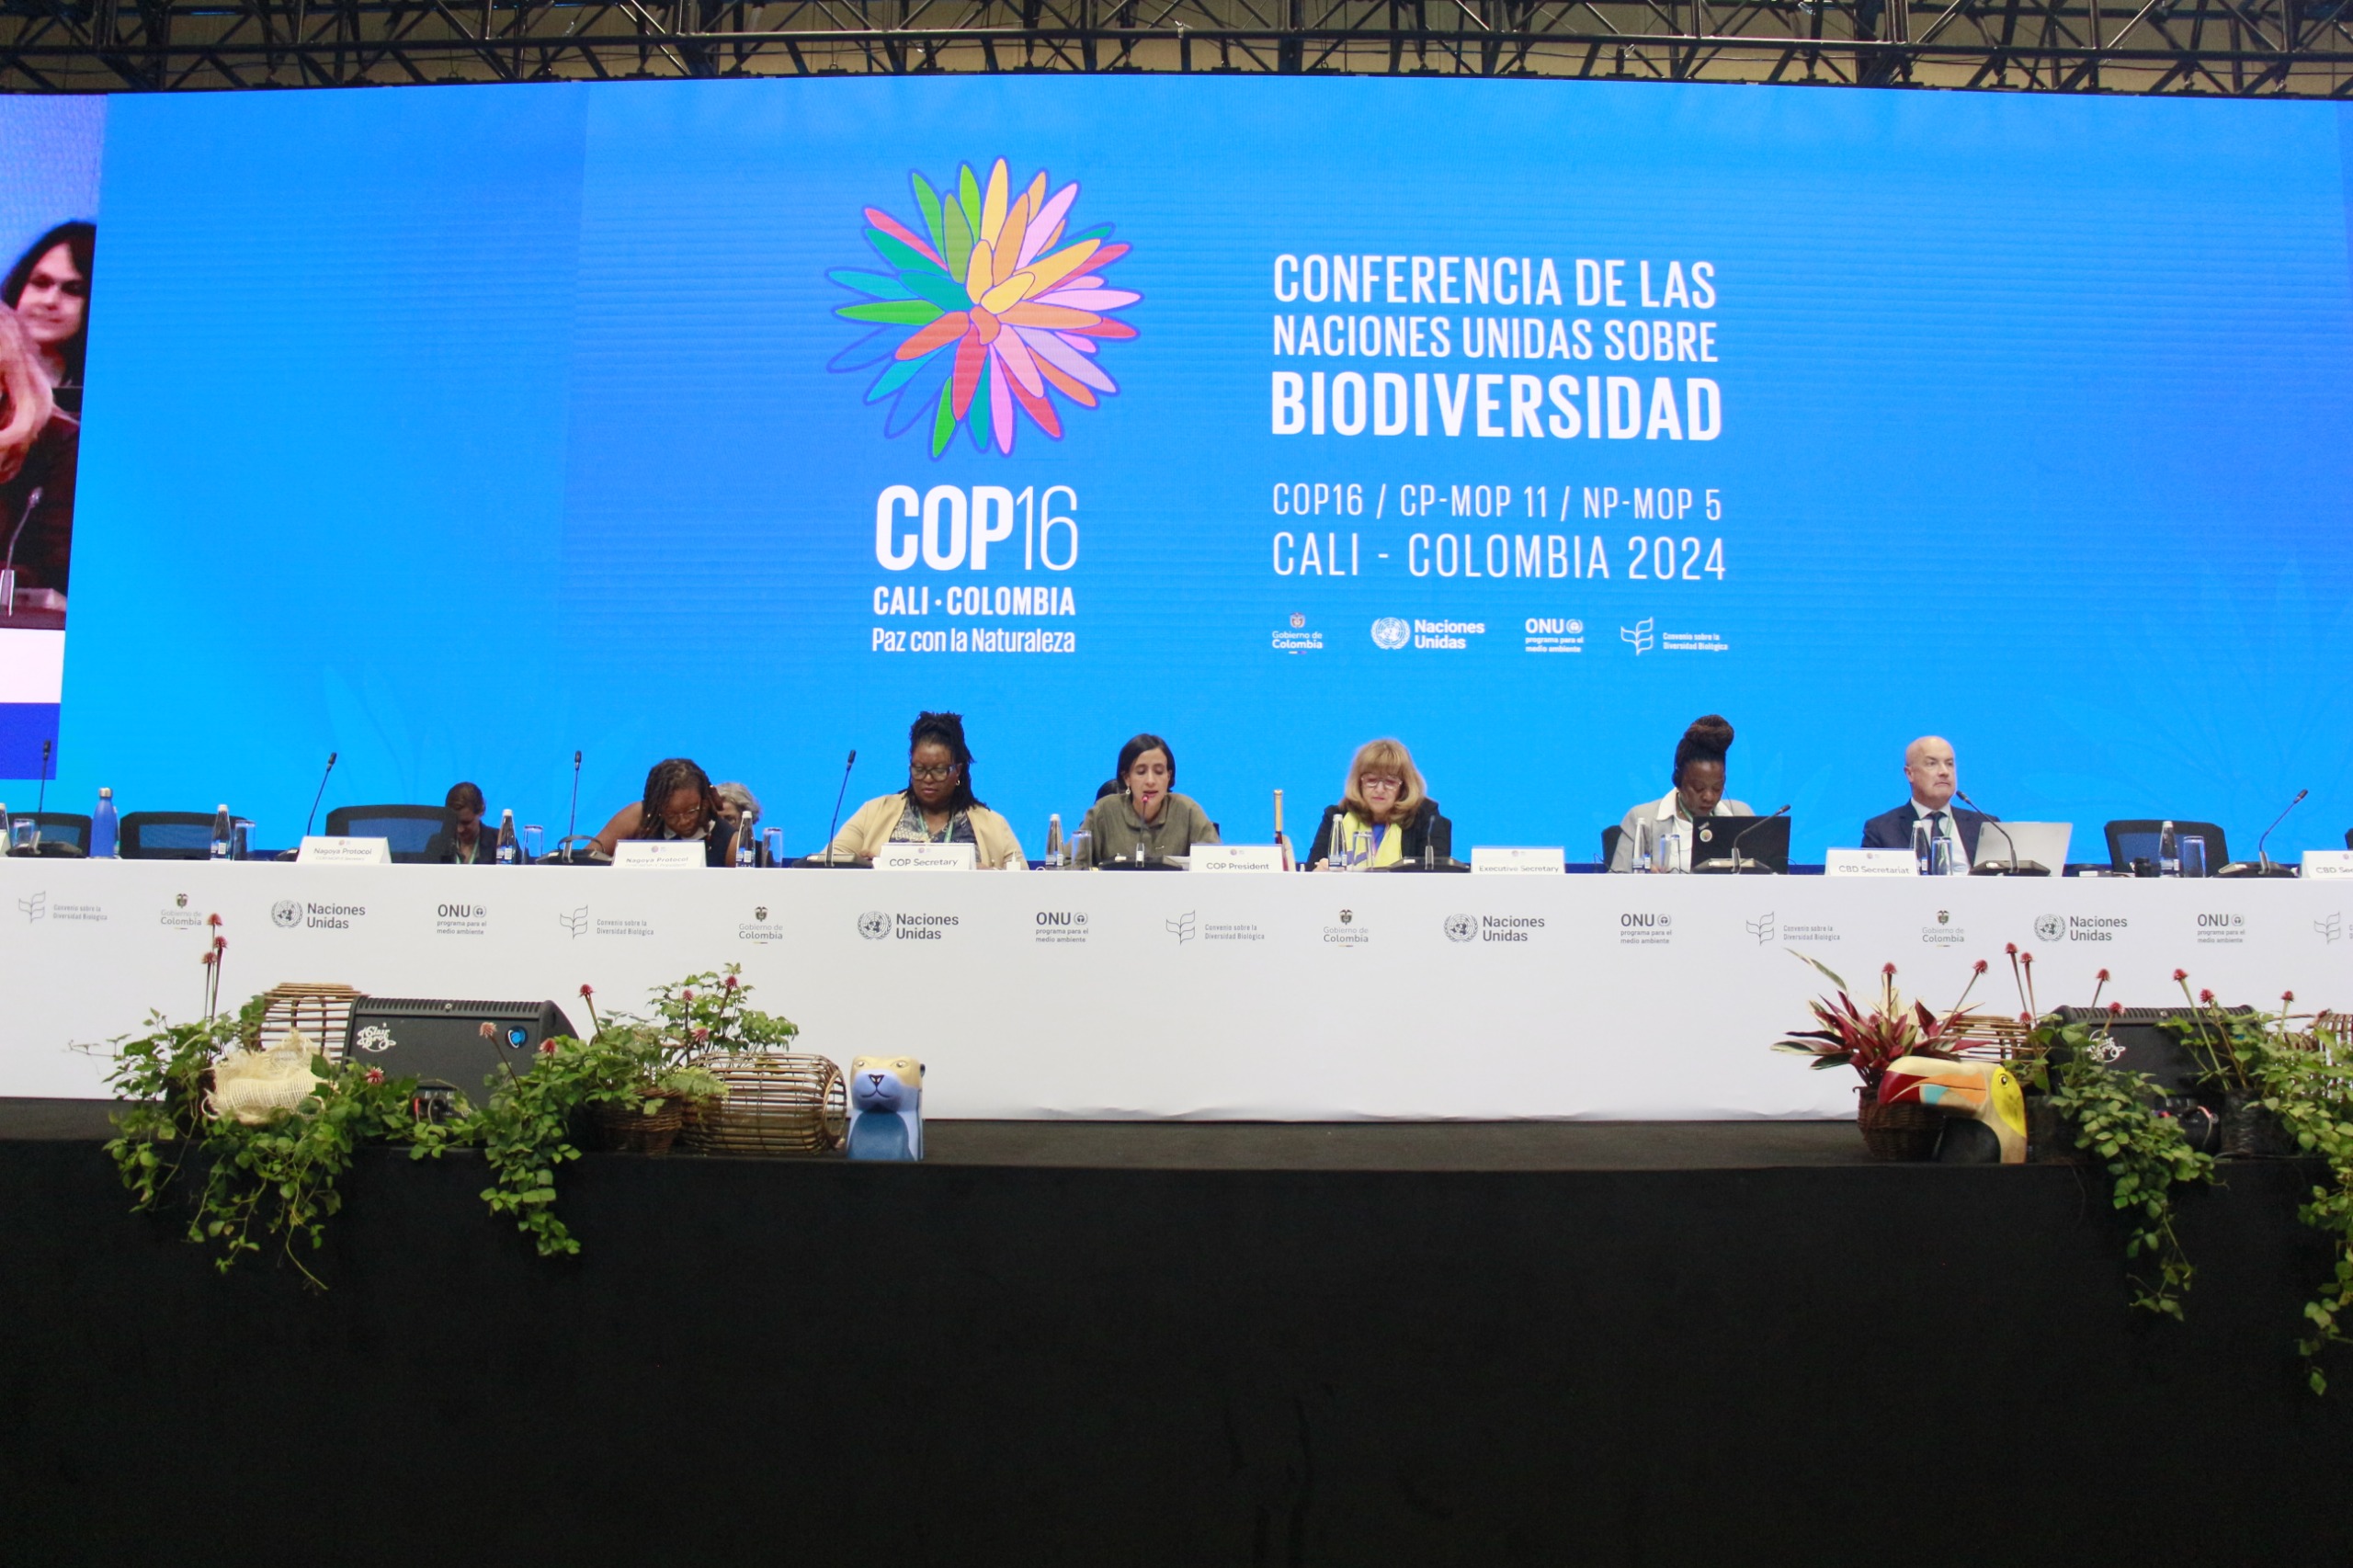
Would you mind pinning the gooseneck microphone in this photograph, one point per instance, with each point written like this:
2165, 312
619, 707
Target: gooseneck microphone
2262, 859
1752, 827
1963, 796
839, 795
320, 796
571, 818
41, 801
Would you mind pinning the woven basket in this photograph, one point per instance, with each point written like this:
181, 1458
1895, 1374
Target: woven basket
321, 1012
776, 1104
626, 1130
1904, 1131
2252, 1133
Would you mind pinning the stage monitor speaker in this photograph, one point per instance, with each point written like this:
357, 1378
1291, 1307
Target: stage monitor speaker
2138, 1042
448, 1044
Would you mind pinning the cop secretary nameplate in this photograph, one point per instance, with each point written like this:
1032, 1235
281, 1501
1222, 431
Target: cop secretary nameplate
927, 858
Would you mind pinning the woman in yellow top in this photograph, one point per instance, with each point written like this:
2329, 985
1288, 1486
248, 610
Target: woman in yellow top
1385, 816
937, 807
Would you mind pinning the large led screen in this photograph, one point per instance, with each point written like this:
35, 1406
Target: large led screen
457, 430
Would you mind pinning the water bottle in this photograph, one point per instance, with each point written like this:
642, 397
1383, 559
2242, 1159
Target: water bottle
2168, 851
221, 829
103, 826
748, 845
1921, 842
1054, 856
509, 848
1641, 859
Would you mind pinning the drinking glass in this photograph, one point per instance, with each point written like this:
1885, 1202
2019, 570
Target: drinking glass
24, 832
1940, 860
1670, 852
1081, 846
1359, 849
534, 837
774, 838
240, 838
2193, 855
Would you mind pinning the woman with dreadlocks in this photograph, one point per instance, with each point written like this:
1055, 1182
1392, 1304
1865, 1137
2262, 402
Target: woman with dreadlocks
937, 807
679, 803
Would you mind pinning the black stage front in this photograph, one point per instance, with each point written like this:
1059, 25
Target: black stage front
1186, 1344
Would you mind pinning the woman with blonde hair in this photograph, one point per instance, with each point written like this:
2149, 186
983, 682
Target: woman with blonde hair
1385, 816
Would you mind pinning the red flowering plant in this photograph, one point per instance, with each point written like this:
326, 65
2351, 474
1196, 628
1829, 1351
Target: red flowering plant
1870, 1039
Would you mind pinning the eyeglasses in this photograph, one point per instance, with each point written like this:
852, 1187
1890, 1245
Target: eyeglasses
1377, 781
932, 775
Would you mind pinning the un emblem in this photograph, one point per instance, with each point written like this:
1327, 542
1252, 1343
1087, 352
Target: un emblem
286, 913
1461, 927
2048, 927
1390, 633
873, 925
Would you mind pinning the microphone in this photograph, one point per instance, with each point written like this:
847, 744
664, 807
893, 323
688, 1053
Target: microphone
41, 799
1752, 827
2262, 866
9, 564
571, 820
2261, 857
839, 795
320, 796
2014, 864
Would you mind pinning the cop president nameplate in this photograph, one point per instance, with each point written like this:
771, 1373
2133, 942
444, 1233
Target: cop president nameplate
1235, 857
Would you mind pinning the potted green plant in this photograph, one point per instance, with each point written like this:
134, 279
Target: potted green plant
1869, 1040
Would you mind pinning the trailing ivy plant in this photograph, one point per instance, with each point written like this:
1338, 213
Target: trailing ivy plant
247, 1185
2295, 1067
528, 1125
2113, 1114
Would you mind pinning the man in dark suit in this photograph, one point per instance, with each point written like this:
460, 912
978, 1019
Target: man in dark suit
1934, 773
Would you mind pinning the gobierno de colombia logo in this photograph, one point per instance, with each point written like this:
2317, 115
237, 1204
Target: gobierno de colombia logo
987, 313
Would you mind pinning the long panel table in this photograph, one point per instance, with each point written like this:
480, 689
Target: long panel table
1186, 995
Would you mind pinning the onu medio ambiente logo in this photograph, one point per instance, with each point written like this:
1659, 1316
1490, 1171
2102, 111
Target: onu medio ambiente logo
987, 313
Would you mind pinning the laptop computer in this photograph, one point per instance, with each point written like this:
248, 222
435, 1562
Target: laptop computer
1764, 845
2007, 842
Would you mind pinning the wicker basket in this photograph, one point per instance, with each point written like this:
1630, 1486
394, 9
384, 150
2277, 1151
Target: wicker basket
321, 1012
1903, 1132
776, 1104
626, 1130
2252, 1133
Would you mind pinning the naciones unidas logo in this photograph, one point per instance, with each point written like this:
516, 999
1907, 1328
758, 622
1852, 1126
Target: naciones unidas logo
991, 309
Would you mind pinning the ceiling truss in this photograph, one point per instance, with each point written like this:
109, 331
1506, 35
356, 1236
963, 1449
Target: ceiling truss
2222, 48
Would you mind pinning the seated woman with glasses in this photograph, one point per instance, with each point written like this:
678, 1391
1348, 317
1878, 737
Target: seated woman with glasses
937, 807
1385, 816
1699, 794
679, 803
1145, 815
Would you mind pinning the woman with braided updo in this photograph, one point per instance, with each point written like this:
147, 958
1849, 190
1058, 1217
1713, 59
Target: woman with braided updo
1699, 793
937, 807
679, 803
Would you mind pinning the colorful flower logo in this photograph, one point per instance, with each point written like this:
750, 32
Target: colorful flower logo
987, 313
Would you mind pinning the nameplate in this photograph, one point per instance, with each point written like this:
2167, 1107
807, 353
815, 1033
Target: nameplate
2328, 862
927, 858
1236, 858
659, 854
318, 850
1508, 861
1869, 863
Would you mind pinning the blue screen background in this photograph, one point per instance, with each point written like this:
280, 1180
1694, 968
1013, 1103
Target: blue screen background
455, 428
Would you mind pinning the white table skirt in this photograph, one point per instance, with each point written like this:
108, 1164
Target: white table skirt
1183, 995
